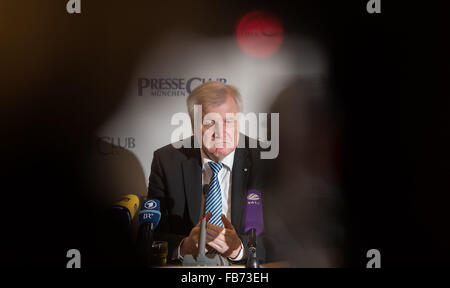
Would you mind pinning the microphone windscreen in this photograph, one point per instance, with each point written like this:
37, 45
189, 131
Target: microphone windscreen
126, 208
205, 190
150, 212
253, 212
205, 196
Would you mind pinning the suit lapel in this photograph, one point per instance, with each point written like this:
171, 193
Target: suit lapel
241, 169
192, 176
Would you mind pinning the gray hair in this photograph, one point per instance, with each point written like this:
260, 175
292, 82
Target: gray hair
212, 93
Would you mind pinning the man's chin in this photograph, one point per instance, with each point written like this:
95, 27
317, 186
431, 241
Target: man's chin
222, 152
219, 152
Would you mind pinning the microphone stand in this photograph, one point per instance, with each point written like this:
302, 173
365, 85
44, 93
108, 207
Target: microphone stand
202, 258
252, 260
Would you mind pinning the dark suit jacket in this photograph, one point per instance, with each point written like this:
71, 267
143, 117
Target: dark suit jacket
176, 180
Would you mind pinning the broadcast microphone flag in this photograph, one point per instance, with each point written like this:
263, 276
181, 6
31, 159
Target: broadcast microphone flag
253, 212
150, 212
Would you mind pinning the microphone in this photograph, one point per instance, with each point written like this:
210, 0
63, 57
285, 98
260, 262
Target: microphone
253, 224
202, 239
149, 217
123, 211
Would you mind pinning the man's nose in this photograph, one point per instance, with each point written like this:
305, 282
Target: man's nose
220, 130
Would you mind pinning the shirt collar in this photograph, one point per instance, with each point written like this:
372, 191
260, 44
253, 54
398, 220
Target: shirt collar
227, 161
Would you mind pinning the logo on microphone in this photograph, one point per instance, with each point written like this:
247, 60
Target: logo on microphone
253, 197
150, 205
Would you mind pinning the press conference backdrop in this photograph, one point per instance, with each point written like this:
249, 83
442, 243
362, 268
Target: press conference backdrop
143, 121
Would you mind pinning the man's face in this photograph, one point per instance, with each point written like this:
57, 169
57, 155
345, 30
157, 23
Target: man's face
220, 129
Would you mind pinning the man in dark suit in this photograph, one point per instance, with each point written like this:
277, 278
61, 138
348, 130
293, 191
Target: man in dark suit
178, 172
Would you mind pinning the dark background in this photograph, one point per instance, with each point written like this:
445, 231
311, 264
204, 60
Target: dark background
62, 75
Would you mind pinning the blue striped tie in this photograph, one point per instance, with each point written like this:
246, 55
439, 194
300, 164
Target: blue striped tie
214, 197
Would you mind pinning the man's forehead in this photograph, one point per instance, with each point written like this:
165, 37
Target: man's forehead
212, 114
228, 104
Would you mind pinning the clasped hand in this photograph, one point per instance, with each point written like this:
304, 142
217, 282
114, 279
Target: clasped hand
222, 239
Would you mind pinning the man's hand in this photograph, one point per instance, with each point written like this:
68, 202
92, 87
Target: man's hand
190, 243
223, 239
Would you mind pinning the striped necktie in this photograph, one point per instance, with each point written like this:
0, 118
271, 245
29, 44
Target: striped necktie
214, 197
